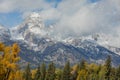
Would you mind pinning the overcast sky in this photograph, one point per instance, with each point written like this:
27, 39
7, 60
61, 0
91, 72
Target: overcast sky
75, 16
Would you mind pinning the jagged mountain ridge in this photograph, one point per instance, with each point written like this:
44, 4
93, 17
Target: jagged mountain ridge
37, 45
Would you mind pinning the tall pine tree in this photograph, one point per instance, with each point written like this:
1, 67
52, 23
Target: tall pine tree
43, 71
66, 71
50, 72
108, 68
82, 64
38, 74
117, 73
27, 73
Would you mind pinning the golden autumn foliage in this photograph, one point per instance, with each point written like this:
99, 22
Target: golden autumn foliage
75, 67
8, 61
82, 75
33, 73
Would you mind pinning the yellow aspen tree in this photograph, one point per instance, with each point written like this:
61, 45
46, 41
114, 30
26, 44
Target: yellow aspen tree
8, 61
33, 73
2, 69
18, 75
82, 75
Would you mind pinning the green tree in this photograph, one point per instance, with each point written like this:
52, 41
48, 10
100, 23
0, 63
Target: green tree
108, 68
50, 72
66, 72
38, 74
117, 77
27, 73
113, 74
43, 71
82, 64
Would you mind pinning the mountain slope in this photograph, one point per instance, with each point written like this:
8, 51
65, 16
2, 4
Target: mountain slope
37, 45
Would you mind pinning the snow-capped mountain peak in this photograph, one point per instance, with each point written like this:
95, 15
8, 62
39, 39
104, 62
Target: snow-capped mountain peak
35, 15
34, 20
33, 24
45, 44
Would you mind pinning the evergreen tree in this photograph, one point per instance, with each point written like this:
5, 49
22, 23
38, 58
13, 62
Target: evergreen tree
108, 68
113, 74
43, 71
27, 73
82, 64
74, 75
38, 74
66, 72
50, 72
117, 77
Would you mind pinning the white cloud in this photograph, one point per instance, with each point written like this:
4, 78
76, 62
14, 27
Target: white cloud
51, 13
82, 17
73, 16
22, 5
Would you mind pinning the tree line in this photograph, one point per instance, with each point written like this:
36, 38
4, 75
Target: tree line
10, 69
